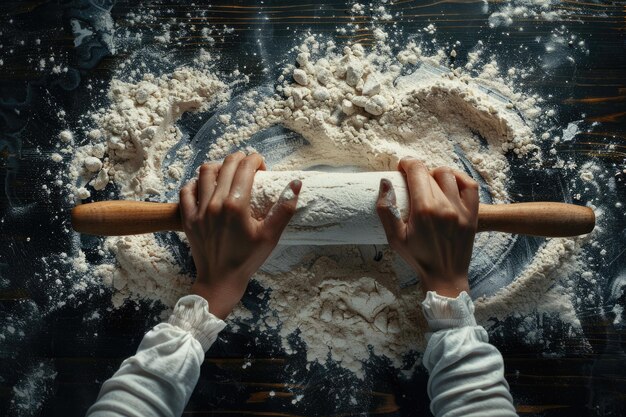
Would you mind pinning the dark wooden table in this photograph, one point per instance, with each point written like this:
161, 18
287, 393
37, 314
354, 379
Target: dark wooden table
67, 355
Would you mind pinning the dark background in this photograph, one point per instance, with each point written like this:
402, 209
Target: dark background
66, 354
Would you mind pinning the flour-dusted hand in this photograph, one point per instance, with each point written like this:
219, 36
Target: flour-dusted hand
228, 245
437, 238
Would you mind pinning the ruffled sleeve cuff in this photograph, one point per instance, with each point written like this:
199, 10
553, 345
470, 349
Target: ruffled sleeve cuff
191, 314
447, 313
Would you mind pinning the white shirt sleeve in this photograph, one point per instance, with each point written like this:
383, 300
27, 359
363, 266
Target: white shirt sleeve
466, 372
159, 379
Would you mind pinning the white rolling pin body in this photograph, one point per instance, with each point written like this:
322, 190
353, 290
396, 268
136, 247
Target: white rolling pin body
334, 208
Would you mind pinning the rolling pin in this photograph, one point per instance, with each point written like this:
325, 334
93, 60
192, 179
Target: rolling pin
333, 208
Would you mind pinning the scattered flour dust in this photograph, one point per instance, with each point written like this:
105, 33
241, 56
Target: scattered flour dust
509, 11
30, 392
355, 109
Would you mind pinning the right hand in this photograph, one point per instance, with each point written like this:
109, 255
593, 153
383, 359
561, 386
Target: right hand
437, 238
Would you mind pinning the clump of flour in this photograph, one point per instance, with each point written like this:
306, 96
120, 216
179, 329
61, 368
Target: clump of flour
355, 107
143, 269
135, 133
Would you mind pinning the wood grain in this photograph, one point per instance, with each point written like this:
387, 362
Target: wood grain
546, 219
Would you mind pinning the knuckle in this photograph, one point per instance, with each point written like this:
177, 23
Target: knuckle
249, 163
254, 158
412, 166
235, 157
448, 215
288, 209
426, 211
214, 208
443, 171
419, 164
231, 205
415, 167
465, 224
472, 184
208, 168
467, 180
189, 224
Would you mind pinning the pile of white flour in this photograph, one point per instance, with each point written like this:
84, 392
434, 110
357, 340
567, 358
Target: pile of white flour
356, 108
135, 133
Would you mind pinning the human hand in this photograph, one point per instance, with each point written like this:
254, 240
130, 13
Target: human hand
437, 238
228, 245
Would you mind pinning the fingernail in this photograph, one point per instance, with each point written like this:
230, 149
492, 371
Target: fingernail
291, 191
389, 195
296, 186
385, 186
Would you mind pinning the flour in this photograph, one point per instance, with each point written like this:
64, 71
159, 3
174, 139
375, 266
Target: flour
31, 391
507, 12
428, 115
534, 286
66, 136
136, 132
143, 267
359, 110
341, 308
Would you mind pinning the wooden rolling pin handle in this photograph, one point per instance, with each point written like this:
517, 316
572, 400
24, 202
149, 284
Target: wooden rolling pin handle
545, 219
117, 218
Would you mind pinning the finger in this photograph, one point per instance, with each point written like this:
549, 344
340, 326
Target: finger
241, 188
468, 190
282, 211
207, 177
226, 175
446, 181
188, 197
387, 209
419, 183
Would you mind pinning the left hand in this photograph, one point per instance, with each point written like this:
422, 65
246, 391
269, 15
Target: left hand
228, 245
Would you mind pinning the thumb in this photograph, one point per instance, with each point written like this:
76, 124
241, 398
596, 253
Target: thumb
283, 210
389, 214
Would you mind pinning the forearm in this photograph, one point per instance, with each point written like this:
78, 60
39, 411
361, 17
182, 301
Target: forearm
466, 372
159, 379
